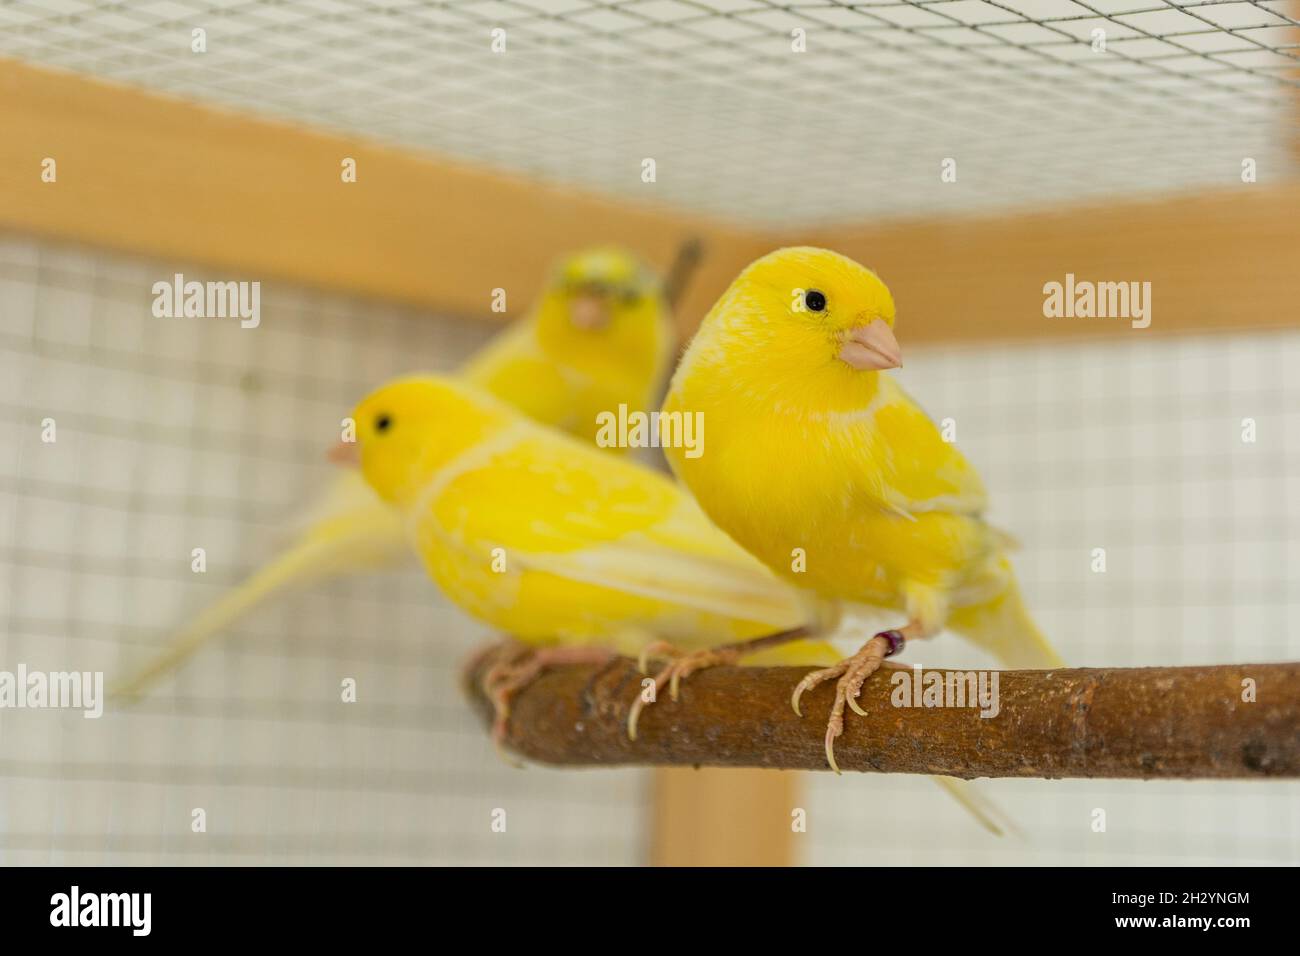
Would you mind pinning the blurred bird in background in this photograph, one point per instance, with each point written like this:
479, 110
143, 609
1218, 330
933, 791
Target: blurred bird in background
600, 335
576, 552
813, 450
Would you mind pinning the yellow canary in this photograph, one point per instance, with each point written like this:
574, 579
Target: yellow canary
813, 450
600, 336
560, 545
576, 551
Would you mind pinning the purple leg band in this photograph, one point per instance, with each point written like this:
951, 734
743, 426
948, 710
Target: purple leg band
896, 641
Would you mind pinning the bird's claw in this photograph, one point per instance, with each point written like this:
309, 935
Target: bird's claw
832, 731
656, 649
852, 673
516, 668
813, 679
680, 667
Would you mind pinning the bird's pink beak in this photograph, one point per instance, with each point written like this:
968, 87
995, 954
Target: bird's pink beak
345, 454
871, 347
589, 312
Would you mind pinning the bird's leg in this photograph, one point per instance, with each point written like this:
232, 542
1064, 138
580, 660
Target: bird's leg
853, 673
518, 667
683, 664
504, 649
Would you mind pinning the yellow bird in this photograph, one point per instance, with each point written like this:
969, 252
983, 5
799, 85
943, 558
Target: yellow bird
564, 547
600, 335
576, 552
813, 451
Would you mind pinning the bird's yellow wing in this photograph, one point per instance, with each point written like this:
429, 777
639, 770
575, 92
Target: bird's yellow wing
590, 544
928, 480
911, 468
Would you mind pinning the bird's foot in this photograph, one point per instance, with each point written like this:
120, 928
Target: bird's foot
852, 673
516, 668
681, 666
502, 649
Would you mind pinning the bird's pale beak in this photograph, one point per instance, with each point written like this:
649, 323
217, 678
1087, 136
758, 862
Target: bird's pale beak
345, 454
871, 347
589, 312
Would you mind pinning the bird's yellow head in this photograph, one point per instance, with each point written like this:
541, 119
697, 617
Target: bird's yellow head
410, 428
603, 294
799, 328
836, 309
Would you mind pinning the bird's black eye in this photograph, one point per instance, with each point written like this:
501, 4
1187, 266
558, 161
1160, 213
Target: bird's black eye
814, 301
382, 422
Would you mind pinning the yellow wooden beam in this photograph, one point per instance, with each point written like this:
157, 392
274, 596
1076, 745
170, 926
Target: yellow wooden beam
176, 180
179, 181
724, 817
1216, 261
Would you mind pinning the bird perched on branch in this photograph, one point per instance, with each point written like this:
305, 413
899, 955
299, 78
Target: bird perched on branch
574, 551
819, 464
578, 553
599, 336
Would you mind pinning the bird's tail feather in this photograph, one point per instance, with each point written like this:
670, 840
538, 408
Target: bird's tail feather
332, 546
987, 813
297, 566
1004, 628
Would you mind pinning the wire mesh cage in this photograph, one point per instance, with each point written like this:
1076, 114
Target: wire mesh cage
760, 122
759, 111
170, 442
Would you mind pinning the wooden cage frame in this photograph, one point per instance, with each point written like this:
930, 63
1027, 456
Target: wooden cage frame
267, 197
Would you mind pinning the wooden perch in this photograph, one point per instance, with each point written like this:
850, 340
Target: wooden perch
1151, 722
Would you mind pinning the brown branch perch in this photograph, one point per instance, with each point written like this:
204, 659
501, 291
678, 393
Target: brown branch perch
1151, 722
